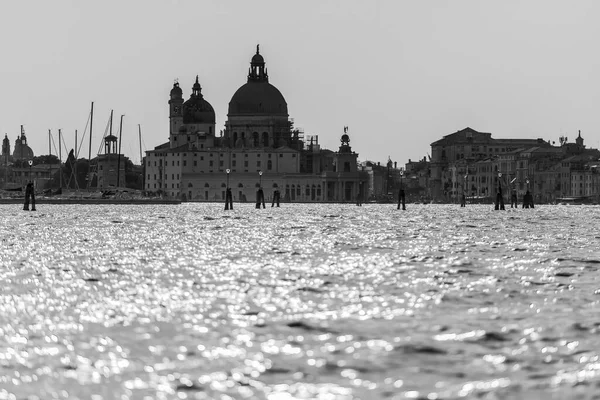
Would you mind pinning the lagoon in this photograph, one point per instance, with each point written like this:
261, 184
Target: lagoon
305, 301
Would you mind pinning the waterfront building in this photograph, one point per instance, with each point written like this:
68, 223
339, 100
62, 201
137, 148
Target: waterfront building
472, 163
258, 137
466, 151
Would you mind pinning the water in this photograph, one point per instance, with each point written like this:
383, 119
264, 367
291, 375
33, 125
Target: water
300, 302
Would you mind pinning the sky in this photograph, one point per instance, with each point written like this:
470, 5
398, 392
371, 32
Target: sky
400, 74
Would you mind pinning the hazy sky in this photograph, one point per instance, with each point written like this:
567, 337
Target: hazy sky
400, 74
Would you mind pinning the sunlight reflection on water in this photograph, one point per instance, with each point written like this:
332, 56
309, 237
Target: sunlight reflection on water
304, 301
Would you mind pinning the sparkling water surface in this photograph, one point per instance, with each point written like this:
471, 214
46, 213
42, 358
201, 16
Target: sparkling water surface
299, 302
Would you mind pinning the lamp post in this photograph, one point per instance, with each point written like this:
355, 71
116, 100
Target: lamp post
500, 182
227, 171
401, 175
30, 162
260, 196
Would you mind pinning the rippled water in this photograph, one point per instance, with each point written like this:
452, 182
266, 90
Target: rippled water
300, 302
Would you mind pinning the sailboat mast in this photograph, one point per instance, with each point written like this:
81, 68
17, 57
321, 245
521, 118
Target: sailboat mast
59, 159
76, 144
49, 154
91, 126
119, 152
140, 137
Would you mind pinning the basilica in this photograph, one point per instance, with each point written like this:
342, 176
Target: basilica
259, 148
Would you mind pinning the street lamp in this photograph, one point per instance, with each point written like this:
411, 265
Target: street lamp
260, 179
227, 171
30, 162
401, 175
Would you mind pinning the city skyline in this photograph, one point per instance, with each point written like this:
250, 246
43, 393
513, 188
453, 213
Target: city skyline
400, 75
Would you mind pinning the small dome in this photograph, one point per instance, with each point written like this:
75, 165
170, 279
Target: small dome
198, 110
258, 59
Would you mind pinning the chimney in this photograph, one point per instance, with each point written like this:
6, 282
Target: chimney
395, 163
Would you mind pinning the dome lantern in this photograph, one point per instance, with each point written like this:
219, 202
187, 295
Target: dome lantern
197, 89
258, 72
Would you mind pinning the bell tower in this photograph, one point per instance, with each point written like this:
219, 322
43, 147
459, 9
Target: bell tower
176, 109
5, 149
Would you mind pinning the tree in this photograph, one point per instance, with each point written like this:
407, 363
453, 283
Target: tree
45, 159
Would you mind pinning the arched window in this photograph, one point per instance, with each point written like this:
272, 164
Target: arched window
190, 184
240, 185
275, 184
269, 165
206, 184
235, 138
307, 190
298, 190
222, 185
255, 139
265, 139
318, 190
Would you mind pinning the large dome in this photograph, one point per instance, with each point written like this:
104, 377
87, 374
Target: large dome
258, 98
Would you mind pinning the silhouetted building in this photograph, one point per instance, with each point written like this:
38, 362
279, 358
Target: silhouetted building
258, 137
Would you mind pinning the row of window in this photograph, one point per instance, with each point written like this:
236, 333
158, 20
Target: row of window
233, 155
221, 164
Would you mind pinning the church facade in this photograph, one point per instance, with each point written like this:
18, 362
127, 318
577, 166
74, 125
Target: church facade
259, 147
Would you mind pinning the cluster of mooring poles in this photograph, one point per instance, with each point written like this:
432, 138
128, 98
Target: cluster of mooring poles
260, 194
527, 198
463, 197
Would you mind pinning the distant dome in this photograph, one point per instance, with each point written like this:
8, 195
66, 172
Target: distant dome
22, 151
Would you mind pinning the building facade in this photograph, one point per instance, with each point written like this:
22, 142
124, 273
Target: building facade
474, 164
196, 164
